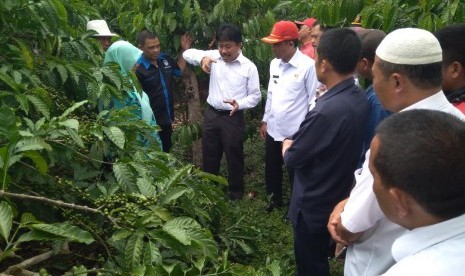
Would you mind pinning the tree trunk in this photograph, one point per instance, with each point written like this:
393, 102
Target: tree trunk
194, 112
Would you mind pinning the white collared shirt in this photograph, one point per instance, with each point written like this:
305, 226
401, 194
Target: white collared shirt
437, 249
362, 211
291, 87
236, 80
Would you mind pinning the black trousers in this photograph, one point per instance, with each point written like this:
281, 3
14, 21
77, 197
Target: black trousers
165, 137
224, 133
274, 170
311, 250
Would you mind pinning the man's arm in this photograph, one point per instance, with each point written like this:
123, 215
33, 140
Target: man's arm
287, 143
186, 41
254, 94
200, 57
338, 232
306, 145
361, 210
269, 95
311, 83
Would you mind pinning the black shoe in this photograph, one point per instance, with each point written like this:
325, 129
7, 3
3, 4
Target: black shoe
272, 206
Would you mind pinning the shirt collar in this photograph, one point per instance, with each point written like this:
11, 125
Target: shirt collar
338, 88
147, 63
143, 61
294, 61
421, 238
240, 58
437, 101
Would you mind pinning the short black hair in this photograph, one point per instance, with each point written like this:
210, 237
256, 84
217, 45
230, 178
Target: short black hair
228, 32
144, 35
452, 40
371, 38
342, 48
422, 152
424, 76
323, 27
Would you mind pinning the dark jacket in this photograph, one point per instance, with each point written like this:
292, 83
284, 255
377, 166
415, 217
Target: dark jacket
325, 153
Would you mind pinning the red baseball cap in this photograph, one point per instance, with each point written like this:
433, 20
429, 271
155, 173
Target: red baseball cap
309, 22
282, 30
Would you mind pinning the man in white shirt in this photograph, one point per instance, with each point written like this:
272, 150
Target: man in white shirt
420, 185
292, 84
234, 86
406, 75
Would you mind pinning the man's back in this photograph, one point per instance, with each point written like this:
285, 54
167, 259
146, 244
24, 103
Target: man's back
330, 137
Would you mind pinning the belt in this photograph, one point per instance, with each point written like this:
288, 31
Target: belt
219, 111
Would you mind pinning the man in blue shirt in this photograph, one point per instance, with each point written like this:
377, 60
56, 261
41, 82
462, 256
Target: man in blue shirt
155, 73
371, 38
326, 149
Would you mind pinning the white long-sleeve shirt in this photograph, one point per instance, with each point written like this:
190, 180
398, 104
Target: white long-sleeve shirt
291, 87
431, 250
236, 80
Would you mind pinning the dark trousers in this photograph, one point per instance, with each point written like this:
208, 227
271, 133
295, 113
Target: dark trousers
311, 250
222, 132
274, 170
165, 137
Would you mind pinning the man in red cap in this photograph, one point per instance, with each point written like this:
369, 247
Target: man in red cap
292, 84
305, 37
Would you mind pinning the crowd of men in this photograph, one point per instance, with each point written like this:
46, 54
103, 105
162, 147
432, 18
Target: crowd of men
403, 210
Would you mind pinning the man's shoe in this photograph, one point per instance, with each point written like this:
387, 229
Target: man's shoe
272, 206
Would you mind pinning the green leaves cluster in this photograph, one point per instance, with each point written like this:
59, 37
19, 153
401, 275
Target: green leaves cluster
386, 15
91, 177
33, 230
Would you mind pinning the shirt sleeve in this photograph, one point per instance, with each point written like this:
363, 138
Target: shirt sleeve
362, 211
269, 96
311, 84
253, 89
306, 144
194, 56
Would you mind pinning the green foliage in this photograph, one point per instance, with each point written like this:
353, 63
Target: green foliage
142, 211
385, 14
151, 213
37, 231
6, 220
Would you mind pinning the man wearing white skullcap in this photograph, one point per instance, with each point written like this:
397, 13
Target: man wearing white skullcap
407, 75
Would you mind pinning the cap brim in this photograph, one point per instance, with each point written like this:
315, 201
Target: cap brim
104, 35
299, 22
272, 39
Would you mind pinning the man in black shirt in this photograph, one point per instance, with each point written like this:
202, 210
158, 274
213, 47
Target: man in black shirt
324, 152
155, 73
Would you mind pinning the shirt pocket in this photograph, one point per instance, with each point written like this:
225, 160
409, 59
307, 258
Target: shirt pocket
296, 86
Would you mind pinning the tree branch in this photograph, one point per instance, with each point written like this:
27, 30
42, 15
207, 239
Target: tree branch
20, 269
57, 203
80, 154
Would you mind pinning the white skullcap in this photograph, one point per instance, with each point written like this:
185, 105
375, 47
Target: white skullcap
410, 46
